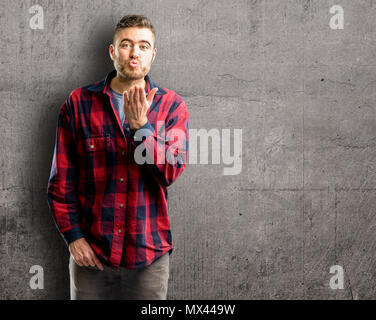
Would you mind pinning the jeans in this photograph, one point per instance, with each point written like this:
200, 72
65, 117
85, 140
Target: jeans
149, 283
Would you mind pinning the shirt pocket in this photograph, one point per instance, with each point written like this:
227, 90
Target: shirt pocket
92, 158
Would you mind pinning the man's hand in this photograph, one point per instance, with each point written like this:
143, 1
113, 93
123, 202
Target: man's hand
136, 106
83, 254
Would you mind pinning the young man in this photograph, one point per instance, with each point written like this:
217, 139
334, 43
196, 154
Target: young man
108, 204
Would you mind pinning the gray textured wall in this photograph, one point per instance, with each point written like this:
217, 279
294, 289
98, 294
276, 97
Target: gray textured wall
304, 96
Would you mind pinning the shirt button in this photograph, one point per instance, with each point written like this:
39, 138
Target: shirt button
121, 179
121, 205
123, 153
91, 146
119, 230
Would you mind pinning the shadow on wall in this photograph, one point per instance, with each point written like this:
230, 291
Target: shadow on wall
96, 56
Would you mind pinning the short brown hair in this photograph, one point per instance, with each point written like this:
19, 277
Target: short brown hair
134, 20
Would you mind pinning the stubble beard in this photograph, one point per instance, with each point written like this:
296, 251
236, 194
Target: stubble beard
133, 75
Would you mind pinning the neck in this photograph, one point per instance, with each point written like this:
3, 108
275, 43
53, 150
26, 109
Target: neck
121, 84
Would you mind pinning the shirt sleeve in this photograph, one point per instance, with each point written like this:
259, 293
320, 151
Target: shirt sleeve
62, 183
166, 145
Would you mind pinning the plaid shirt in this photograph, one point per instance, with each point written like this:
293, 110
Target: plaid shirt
98, 190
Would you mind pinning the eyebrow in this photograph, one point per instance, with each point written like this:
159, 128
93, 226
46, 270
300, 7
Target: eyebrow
126, 39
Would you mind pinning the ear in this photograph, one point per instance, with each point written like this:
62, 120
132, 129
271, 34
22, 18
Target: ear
154, 54
111, 51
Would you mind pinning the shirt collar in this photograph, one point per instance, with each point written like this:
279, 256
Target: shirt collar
104, 85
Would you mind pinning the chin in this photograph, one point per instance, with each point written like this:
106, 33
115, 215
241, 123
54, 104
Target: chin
135, 75
131, 74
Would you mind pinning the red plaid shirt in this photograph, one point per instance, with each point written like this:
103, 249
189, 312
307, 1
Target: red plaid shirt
98, 190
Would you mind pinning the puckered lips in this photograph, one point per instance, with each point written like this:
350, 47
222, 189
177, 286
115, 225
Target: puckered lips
133, 63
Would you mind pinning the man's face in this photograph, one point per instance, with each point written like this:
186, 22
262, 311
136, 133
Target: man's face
133, 52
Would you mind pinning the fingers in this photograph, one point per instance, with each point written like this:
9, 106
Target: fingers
136, 104
88, 259
143, 98
126, 98
78, 261
83, 259
132, 97
98, 263
151, 95
84, 255
136, 95
126, 103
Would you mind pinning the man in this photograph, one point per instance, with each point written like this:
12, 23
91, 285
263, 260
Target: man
108, 204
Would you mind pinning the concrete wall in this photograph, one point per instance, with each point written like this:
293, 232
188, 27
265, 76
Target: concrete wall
304, 96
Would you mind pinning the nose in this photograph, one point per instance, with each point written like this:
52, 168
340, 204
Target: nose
135, 53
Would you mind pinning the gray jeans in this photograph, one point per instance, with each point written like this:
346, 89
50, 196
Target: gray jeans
149, 283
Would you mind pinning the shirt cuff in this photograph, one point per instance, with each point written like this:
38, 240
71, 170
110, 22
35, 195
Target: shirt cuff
72, 235
140, 135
